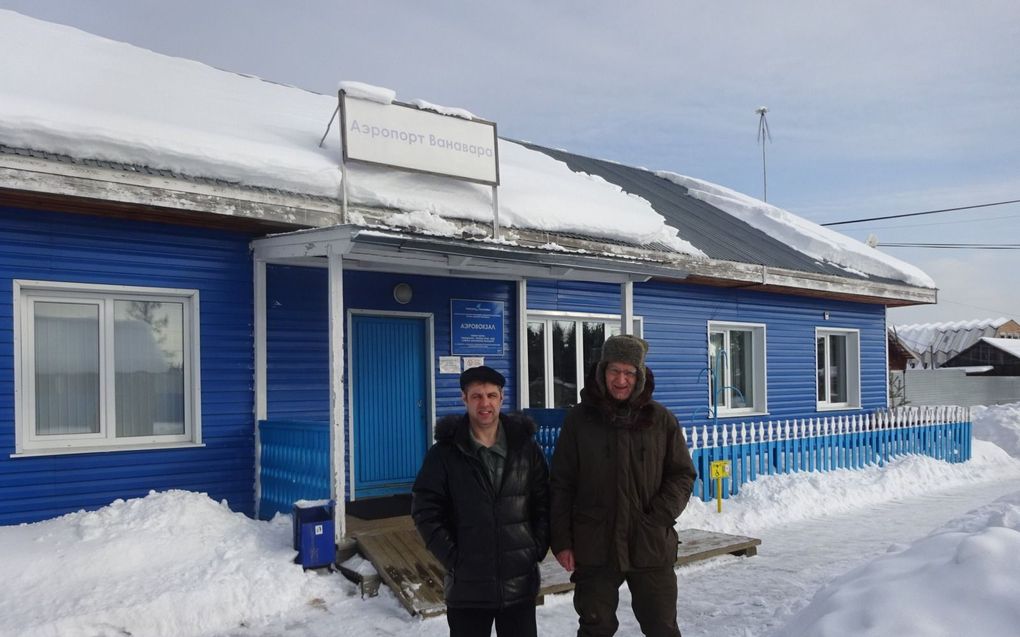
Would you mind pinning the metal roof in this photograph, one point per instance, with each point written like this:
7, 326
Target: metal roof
713, 231
936, 343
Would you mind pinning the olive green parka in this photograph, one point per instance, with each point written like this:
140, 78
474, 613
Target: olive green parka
621, 476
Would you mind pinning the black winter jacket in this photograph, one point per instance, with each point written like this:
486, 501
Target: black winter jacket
489, 540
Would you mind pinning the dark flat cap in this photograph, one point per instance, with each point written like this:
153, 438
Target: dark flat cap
481, 374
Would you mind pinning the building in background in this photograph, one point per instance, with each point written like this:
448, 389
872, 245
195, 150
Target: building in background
191, 298
933, 344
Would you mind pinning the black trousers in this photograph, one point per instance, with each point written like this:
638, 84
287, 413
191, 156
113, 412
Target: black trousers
513, 621
653, 597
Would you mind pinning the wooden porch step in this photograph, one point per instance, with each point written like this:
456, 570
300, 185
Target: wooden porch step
695, 545
416, 577
405, 565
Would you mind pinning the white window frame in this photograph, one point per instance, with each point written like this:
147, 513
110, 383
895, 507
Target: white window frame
853, 371
27, 441
548, 317
759, 367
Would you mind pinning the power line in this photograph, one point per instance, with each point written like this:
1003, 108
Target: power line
926, 212
971, 220
955, 246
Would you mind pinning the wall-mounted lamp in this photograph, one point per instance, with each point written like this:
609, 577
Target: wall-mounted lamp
402, 293
825, 316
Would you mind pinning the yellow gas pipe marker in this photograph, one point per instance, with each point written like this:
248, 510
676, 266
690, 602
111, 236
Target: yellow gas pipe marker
719, 469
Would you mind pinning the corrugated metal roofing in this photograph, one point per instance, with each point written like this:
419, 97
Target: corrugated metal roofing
716, 233
936, 343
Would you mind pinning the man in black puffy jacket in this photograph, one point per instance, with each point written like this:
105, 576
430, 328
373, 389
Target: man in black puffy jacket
481, 504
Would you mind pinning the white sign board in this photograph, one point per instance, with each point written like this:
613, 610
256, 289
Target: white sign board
449, 364
406, 137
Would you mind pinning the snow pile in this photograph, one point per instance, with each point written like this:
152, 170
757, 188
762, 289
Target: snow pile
173, 563
780, 499
961, 580
811, 239
68, 92
999, 425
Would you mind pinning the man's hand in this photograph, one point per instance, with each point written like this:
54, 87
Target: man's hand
566, 559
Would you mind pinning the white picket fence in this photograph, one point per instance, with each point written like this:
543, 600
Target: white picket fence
826, 443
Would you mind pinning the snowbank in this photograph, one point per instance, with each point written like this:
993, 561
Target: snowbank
963, 579
1000, 425
173, 563
780, 499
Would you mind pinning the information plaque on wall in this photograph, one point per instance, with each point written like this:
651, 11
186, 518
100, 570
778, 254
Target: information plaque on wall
476, 328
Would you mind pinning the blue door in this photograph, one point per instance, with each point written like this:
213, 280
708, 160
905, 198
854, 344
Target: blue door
389, 380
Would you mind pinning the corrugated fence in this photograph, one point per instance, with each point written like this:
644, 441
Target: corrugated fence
293, 464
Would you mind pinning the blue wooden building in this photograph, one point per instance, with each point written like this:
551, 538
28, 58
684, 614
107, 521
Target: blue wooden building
173, 324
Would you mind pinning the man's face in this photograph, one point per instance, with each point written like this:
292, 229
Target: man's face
620, 380
483, 402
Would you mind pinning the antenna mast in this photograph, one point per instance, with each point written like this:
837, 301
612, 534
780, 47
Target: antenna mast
763, 136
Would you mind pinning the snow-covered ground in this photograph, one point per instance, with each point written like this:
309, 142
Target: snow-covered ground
918, 547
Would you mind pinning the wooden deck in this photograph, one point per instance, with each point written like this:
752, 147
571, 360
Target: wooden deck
416, 578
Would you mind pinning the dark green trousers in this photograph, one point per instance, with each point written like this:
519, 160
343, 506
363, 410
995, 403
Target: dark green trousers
653, 597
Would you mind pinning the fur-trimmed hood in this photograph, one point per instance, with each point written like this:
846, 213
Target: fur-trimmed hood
455, 428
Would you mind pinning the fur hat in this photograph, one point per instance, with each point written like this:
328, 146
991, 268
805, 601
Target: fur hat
623, 348
481, 374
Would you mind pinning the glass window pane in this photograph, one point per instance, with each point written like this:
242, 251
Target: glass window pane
564, 357
594, 336
820, 367
715, 345
149, 368
536, 364
66, 368
837, 368
741, 369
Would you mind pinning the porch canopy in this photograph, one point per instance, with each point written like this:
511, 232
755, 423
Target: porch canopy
383, 250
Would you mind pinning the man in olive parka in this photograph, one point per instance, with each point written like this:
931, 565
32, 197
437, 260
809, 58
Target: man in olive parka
621, 475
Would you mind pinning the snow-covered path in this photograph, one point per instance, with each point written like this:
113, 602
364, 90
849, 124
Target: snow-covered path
753, 597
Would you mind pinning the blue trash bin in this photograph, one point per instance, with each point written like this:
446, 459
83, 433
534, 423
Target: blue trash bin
313, 533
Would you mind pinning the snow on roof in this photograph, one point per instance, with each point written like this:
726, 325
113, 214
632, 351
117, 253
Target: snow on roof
368, 92
1009, 345
925, 336
807, 237
69, 92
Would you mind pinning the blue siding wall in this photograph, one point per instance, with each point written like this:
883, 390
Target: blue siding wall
297, 343
675, 321
298, 332
75, 248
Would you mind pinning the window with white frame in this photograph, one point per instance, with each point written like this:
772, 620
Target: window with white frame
105, 367
838, 368
561, 348
736, 365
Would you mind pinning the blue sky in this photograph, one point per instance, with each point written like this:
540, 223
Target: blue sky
875, 107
